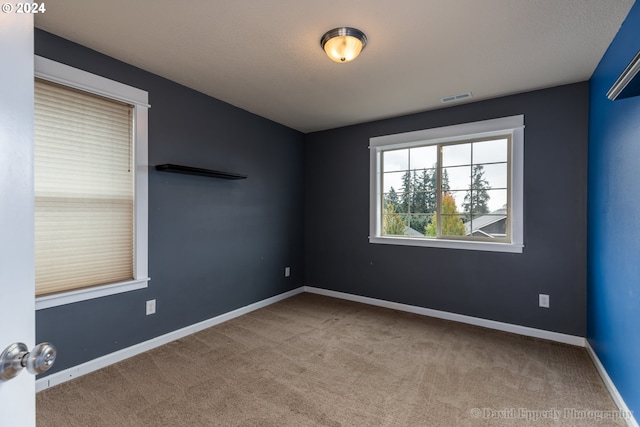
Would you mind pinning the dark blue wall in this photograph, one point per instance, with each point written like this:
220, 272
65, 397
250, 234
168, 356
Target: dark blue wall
614, 219
497, 286
214, 245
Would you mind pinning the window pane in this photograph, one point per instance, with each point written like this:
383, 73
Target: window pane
488, 226
425, 180
392, 180
490, 151
456, 178
418, 224
453, 202
404, 204
497, 199
423, 202
455, 155
395, 160
394, 224
495, 176
424, 157
453, 225
396, 202
392, 198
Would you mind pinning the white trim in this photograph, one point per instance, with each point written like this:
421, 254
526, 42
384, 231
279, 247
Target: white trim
48, 301
375, 196
82, 80
450, 244
141, 192
615, 395
118, 356
79, 79
480, 129
490, 324
449, 133
517, 186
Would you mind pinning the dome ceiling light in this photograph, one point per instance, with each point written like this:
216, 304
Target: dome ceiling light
343, 44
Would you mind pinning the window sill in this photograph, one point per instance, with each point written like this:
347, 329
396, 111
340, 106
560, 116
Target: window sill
55, 300
449, 244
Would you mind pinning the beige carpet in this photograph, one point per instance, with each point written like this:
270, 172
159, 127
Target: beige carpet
317, 361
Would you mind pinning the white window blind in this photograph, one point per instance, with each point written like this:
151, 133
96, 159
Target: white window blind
84, 189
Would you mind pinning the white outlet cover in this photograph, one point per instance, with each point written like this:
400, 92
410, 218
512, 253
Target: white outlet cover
287, 271
543, 300
151, 307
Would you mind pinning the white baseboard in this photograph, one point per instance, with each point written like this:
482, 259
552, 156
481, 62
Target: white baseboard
109, 359
615, 395
491, 324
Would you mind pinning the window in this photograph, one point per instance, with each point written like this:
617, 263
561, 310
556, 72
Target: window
454, 187
90, 178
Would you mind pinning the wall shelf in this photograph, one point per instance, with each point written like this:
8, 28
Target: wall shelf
198, 171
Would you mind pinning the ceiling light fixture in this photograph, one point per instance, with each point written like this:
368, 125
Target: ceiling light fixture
343, 44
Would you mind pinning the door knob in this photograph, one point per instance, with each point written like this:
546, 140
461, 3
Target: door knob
17, 356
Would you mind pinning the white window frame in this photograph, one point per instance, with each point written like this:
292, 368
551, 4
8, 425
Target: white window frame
65, 75
513, 125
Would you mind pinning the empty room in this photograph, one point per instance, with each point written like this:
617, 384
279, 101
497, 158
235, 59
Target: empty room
412, 213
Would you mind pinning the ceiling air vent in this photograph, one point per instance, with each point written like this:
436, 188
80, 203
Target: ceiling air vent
628, 84
455, 98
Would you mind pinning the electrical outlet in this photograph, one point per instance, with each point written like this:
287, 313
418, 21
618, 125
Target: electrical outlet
543, 300
151, 307
287, 271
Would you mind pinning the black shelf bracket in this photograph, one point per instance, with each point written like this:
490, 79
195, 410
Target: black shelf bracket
198, 171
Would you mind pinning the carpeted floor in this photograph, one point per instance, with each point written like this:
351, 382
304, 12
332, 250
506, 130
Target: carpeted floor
317, 361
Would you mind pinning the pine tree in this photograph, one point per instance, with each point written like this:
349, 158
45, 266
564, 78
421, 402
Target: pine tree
405, 198
445, 182
420, 183
431, 189
476, 201
430, 181
419, 200
433, 186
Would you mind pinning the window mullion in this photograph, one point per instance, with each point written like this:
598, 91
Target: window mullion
410, 181
439, 193
380, 179
471, 195
509, 186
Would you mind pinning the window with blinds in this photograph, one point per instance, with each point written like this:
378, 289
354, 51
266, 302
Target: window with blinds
84, 189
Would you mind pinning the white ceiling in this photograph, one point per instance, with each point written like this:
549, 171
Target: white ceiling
265, 56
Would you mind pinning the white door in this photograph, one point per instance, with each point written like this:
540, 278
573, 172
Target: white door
17, 302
